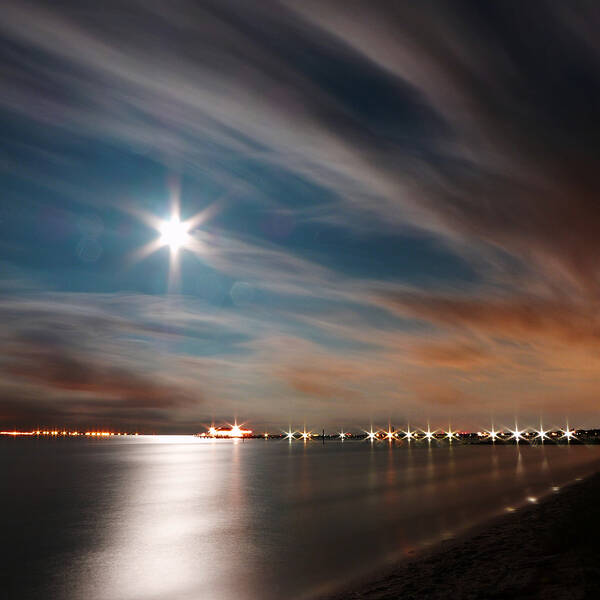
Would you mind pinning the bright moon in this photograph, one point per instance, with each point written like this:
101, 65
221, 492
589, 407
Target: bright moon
174, 234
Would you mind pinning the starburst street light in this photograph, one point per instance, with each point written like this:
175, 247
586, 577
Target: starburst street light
428, 434
343, 435
568, 433
408, 434
289, 435
371, 435
516, 434
493, 434
543, 435
390, 435
450, 435
305, 435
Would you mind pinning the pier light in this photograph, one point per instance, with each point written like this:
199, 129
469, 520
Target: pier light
408, 434
390, 435
450, 435
493, 434
371, 435
428, 434
305, 435
342, 435
290, 435
568, 433
543, 435
516, 434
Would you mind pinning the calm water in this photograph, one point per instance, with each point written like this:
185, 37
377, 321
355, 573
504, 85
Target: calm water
183, 518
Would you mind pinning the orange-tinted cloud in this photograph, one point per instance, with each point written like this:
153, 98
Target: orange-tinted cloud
523, 318
326, 383
457, 355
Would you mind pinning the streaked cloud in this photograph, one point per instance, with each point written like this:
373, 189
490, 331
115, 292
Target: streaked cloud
407, 215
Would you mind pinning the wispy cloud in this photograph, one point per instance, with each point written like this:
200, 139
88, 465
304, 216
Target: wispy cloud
474, 126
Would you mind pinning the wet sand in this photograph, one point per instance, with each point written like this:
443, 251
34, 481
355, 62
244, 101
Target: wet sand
549, 550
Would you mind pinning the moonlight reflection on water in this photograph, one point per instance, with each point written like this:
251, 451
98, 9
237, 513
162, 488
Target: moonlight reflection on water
180, 517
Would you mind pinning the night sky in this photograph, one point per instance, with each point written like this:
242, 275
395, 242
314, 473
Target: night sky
398, 213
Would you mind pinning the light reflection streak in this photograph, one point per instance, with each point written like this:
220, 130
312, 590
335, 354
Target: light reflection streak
165, 533
519, 469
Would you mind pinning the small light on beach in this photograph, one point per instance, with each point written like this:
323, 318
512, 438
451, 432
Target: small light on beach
555, 488
532, 499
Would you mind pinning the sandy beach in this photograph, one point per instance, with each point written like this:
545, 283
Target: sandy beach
549, 549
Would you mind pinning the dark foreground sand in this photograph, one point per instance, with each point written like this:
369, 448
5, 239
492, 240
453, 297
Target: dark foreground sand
549, 550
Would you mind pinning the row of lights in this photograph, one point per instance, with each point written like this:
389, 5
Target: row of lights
429, 435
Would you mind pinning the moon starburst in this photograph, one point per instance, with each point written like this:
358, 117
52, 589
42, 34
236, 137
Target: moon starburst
174, 233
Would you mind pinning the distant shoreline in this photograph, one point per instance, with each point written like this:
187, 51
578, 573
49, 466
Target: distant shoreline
546, 550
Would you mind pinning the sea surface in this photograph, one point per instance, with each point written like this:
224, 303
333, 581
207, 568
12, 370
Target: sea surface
183, 518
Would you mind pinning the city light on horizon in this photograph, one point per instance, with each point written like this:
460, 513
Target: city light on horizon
516, 435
